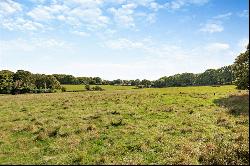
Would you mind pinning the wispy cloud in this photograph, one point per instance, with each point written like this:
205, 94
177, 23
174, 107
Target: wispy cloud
215, 24
217, 47
80, 33
21, 24
124, 15
33, 44
178, 4
90, 15
244, 14
8, 7
123, 43
212, 27
223, 16
45, 13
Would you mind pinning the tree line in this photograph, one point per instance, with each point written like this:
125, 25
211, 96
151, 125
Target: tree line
237, 73
221, 76
71, 80
27, 82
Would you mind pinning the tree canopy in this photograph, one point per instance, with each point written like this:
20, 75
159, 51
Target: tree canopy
26, 82
241, 70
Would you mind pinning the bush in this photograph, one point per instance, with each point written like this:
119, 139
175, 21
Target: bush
87, 87
63, 89
49, 91
140, 86
43, 91
97, 88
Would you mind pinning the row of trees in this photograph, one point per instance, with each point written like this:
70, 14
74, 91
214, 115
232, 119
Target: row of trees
69, 79
237, 74
222, 76
26, 82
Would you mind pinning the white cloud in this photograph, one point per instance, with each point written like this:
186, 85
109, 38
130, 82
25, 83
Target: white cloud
78, 13
244, 13
123, 43
80, 33
40, 1
217, 47
8, 7
198, 2
49, 43
44, 13
212, 27
159, 59
223, 16
87, 14
216, 23
151, 18
133, 12
154, 59
15, 45
148, 47
21, 24
85, 3
155, 6
124, 15
92, 17
177, 4
32, 44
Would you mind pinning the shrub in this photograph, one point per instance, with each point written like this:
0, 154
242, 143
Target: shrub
63, 89
97, 88
87, 87
140, 86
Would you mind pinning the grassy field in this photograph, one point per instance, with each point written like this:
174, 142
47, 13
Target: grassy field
189, 125
105, 87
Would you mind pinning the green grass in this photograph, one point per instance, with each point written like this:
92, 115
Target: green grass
105, 87
188, 125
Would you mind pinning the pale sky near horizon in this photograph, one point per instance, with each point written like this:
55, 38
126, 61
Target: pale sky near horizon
126, 39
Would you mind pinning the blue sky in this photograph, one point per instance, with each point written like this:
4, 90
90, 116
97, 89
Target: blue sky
124, 39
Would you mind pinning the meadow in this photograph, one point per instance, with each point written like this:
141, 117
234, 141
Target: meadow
122, 125
70, 88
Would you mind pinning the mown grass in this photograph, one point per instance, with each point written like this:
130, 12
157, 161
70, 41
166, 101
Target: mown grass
191, 125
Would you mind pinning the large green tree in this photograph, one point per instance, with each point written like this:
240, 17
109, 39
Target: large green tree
225, 75
23, 81
241, 70
146, 83
6, 81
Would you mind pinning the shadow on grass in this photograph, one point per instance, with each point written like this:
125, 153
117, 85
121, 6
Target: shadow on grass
236, 104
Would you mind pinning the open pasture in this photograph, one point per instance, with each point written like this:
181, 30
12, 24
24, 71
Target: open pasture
187, 125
